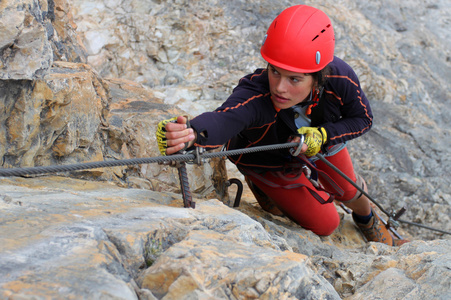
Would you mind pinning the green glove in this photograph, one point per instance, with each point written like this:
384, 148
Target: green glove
161, 135
315, 137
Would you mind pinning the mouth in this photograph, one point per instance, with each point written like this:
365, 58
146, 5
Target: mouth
279, 99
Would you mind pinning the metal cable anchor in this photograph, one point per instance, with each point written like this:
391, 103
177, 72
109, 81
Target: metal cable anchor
393, 218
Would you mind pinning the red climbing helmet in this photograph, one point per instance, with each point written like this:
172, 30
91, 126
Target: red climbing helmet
300, 39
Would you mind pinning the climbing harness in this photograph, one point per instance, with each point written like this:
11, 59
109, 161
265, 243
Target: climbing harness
197, 157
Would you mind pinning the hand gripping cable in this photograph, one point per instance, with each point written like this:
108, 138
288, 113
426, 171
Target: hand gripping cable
178, 160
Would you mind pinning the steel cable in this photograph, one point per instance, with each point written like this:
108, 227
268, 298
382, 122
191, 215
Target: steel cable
93, 165
321, 157
8, 172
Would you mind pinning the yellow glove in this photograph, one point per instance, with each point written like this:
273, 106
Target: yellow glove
161, 135
315, 137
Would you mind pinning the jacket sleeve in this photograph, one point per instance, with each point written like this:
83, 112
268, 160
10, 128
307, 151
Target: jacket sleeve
242, 110
349, 115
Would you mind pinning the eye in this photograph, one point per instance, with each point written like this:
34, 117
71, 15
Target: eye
297, 79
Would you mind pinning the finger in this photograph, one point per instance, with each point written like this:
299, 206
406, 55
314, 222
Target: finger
175, 127
175, 145
303, 148
179, 136
175, 149
295, 139
181, 120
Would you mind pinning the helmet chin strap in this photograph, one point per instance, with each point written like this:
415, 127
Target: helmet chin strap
312, 100
308, 102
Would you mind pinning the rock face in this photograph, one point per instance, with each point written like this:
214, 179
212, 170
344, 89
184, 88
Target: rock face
33, 35
67, 238
58, 110
88, 81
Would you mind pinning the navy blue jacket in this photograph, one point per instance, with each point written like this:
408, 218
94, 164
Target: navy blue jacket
248, 117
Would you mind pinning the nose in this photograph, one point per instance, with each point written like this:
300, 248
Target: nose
280, 85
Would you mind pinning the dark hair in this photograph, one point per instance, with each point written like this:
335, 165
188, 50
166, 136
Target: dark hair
321, 76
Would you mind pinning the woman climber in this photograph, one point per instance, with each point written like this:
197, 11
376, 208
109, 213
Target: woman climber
304, 90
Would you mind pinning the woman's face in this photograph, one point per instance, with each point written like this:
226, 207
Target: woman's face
288, 88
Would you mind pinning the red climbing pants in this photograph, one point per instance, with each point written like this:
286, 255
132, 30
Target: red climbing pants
298, 203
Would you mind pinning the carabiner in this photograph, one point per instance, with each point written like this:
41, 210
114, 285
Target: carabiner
299, 147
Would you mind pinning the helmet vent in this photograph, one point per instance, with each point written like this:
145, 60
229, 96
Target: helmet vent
322, 31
